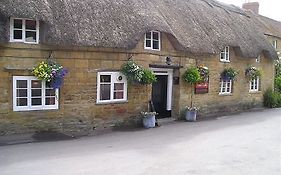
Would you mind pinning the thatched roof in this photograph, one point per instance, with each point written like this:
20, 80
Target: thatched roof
195, 26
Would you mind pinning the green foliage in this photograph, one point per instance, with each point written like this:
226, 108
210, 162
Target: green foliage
229, 73
148, 77
192, 75
277, 83
132, 71
252, 73
272, 99
278, 69
137, 74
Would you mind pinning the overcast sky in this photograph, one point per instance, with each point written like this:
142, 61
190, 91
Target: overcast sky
268, 8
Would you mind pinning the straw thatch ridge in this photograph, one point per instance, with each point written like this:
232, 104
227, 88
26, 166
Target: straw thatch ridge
196, 26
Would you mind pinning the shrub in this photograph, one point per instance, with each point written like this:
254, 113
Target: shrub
277, 84
192, 75
148, 77
272, 99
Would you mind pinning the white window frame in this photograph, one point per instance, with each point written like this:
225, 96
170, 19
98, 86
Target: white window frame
151, 41
23, 31
225, 54
274, 43
254, 85
114, 79
224, 85
29, 107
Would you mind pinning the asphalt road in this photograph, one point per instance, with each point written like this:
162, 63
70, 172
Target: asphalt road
244, 144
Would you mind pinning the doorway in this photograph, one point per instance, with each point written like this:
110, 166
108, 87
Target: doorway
162, 92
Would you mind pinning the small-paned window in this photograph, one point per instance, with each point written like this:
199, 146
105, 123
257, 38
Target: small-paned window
152, 40
29, 94
274, 43
24, 30
111, 87
224, 55
225, 87
254, 85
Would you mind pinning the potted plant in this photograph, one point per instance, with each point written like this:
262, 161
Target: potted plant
136, 74
191, 76
229, 74
148, 119
252, 73
50, 71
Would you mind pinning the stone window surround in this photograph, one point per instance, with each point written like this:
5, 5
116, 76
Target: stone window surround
24, 30
114, 79
224, 85
254, 85
225, 55
29, 107
151, 41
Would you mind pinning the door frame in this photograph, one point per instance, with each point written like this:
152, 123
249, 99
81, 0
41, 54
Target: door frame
169, 73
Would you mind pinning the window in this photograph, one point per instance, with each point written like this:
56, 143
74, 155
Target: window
254, 85
258, 59
29, 94
224, 55
274, 43
24, 30
112, 87
152, 40
225, 87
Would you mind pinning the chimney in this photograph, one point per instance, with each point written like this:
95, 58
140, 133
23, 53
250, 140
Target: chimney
252, 6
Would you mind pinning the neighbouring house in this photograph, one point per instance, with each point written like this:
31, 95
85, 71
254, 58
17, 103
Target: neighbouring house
93, 38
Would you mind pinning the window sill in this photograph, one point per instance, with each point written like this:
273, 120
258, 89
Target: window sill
225, 94
33, 110
222, 61
149, 49
111, 102
11, 41
255, 92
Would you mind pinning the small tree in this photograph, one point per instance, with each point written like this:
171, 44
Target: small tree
192, 76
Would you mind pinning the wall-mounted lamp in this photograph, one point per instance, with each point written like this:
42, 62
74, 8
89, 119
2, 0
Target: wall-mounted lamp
168, 61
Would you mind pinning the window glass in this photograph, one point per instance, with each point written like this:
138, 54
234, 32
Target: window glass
105, 91
105, 78
30, 36
148, 35
21, 83
21, 101
18, 34
155, 36
30, 25
155, 45
17, 23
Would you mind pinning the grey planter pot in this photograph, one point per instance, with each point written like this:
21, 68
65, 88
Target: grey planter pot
190, 115
148, 121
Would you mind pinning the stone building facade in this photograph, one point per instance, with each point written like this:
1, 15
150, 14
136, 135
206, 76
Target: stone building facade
79, 109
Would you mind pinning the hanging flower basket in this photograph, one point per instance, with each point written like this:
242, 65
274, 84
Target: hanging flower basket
53, 73
204, 73
136, 74
229, 74
252, 73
